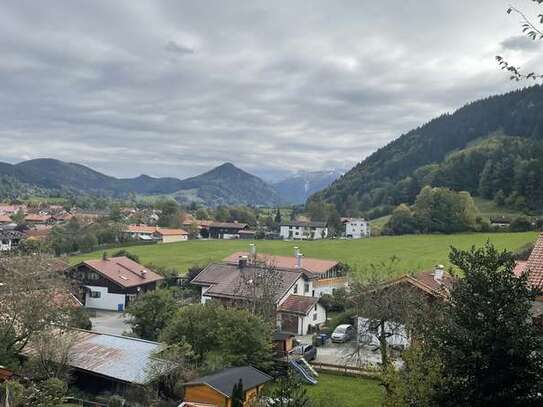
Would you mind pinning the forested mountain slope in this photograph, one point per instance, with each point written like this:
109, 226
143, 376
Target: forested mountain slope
485, 147
225, 184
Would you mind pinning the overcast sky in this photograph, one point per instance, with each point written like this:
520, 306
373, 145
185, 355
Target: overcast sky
174, 88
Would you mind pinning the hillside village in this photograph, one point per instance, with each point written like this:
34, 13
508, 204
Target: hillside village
339, 204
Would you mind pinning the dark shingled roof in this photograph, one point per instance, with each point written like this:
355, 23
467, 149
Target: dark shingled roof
225, 380
227, 281
298, 304
10, 234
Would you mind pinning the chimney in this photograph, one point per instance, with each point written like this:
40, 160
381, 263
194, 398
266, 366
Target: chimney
252, 252
242, 261
143, 273
296, 251
438, 272
299, 257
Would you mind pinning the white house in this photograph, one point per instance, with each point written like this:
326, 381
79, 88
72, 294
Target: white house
112, 283
356, 228
9, 239
233, 284
300, 230
328, 275
155, 233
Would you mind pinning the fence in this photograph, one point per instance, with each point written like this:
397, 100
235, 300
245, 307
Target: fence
344, 370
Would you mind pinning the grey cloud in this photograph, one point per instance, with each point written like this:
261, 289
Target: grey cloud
178, 49
173, 88
520, 43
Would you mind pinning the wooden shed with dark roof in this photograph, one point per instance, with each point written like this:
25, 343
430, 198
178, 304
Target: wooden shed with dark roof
216, 389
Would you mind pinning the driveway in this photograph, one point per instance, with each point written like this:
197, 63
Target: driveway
344, 354
109, 322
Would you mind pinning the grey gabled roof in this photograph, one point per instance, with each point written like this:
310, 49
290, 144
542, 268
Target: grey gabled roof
229, 281
10, 234
225, 380
120, 358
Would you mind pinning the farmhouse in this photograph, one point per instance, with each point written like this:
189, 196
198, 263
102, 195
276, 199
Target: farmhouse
216, 390
9, 239
155, 233
356, 228
37, 219
432, 285
5, 219
328, 275
534, 267
226, 230
290, 290
112, 283
110, 363
299, 230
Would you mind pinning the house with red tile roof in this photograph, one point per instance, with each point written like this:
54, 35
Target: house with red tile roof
155, 233
112, 283
533, 266
234, 284
329, 275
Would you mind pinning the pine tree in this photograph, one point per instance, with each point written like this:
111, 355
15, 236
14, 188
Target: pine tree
489, 347
237, 394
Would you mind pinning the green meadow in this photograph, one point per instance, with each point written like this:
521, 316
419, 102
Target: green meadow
413, 252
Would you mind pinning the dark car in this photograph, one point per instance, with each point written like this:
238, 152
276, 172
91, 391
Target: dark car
309, 352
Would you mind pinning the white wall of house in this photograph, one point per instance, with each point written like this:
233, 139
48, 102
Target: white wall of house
5, 245
204, 298
314, 317
302, 232
106, 300
301, 287
357, 228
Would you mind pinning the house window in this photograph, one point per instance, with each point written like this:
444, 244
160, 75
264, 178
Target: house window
92, 276
315, 317
306, 287
95, 294
295, 291
315, 307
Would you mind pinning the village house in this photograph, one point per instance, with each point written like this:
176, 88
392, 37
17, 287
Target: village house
302, 230
226, 230
35, 219
234, 284
356, 228
328, 275
5, 219
9, 239
155, 233
114, 364
432, 286
534, 267
216, 390
112, 283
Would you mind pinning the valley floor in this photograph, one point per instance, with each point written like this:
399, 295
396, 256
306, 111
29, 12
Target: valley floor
414, 252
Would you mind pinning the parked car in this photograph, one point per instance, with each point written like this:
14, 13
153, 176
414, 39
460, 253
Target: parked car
309, 352
343, 333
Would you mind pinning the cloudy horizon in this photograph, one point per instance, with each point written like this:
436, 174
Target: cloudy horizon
175, 88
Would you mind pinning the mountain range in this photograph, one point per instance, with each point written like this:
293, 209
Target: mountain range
223, 185
492, 148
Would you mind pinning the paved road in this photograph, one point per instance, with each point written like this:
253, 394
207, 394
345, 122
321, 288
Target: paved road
109, 322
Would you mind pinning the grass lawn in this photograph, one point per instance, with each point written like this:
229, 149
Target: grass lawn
414, 252
346, 391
